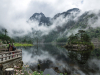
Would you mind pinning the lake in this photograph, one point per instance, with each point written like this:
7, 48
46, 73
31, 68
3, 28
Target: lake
54, 59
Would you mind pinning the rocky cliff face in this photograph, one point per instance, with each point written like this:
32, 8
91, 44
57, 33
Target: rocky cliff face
41, 18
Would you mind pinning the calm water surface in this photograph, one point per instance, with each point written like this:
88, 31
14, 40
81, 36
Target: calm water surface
54, 59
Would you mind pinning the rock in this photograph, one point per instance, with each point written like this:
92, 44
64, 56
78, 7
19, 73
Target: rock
49, 71
9, 71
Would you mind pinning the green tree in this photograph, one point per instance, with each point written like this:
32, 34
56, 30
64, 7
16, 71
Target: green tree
81, 32
86, 38
80, 37
6, 32
24, 41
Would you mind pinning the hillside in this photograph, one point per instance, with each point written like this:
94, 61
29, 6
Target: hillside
65, 24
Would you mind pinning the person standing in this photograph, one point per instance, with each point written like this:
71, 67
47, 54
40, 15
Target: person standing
9, 47
13, 48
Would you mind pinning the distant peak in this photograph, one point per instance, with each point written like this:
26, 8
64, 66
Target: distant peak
41, 13
67, 12
38, 14
73, 9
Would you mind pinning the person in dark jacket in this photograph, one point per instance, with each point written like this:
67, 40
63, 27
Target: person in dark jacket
9, 47
13, 48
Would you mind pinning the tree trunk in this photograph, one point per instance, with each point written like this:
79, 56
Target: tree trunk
9, 71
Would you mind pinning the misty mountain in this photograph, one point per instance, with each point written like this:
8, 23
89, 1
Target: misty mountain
67, 13
41, 18
85, 21
59, 30
66, 23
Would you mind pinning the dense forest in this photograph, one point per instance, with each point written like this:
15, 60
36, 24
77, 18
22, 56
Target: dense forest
4, 37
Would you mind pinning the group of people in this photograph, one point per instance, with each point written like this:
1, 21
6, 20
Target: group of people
11, 47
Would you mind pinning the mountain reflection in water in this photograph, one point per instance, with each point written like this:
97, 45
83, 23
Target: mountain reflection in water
55, 60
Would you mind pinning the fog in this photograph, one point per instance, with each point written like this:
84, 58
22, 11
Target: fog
14, 14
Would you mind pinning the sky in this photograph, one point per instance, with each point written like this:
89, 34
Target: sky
15, 13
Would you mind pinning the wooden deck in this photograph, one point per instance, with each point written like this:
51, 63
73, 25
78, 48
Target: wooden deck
7, 56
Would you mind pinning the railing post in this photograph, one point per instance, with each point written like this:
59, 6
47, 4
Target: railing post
12, 54
2, 58
21, 52
17, 55
9, 56
6, 57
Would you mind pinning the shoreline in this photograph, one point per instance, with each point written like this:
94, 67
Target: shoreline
22, 44
79, 46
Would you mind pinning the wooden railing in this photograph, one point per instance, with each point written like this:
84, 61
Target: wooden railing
9, 54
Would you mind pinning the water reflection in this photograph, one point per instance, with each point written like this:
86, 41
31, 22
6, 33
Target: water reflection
58, 59
80, 56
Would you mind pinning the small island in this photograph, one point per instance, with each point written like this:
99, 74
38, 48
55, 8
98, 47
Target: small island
81, 40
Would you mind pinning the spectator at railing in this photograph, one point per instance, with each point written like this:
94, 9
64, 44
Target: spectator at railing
13, 48
9, 47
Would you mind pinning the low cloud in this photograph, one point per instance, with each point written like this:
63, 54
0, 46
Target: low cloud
15, 13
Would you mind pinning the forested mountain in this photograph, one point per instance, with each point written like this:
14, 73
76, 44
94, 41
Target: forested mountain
60, 26
87, 21
65, 24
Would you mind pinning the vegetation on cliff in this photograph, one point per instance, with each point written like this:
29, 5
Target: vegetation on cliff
80, 39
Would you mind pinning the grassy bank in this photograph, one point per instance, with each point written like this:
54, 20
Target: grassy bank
22, 44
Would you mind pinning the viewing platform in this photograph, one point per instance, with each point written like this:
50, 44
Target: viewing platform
6, 56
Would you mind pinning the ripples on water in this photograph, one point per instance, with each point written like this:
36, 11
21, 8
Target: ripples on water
55, 59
